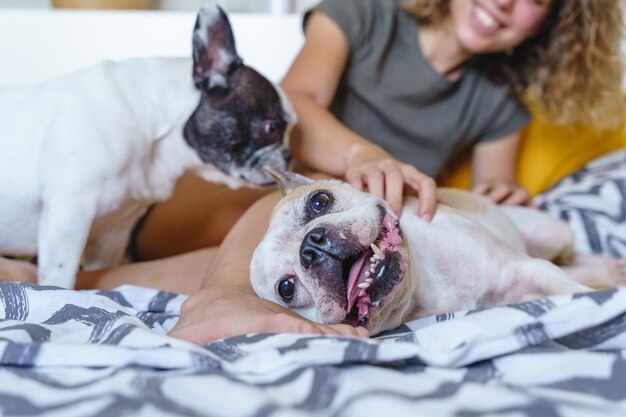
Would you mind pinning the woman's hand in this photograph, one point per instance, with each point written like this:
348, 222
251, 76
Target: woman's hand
504, 193
217, 313
494, 168
386, 177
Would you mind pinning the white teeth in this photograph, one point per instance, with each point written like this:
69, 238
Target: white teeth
375, 303
367, 273
485, 18
375, 249
369, 280
372, 270
376, 257
364, 285
372, 259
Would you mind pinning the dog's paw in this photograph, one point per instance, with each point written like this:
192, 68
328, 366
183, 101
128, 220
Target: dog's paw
15, 270
597, 271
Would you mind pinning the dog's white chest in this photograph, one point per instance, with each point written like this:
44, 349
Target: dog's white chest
455, 260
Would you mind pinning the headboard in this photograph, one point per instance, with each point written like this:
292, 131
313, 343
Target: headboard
37, 45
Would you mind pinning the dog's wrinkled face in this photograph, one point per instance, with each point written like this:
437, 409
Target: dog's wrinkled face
242, 120
332, 254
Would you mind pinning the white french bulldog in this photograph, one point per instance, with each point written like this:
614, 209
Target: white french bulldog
85, 155
337, 255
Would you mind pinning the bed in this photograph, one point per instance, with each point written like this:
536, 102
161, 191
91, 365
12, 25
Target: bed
87, 353
78, 353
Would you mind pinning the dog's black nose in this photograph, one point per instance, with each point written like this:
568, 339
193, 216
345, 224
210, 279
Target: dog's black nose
310, 247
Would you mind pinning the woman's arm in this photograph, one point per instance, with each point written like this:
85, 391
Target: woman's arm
494, 168
323, 142
226, 305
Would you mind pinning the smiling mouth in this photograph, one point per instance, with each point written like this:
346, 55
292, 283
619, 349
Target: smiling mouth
372, 274
484, 20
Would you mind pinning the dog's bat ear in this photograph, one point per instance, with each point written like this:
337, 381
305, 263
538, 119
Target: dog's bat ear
214, 52
287, 181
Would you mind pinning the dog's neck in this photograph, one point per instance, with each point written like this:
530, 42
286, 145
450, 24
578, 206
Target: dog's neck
160, 93
425, 283
439, 274
163, 99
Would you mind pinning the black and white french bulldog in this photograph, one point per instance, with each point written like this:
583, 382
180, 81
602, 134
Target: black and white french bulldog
335, 255
84, 156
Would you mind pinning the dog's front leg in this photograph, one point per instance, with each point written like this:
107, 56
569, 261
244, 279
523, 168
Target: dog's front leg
107, 249
63, 231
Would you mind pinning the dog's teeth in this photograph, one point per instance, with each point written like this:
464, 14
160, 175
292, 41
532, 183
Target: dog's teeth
372, 270
364, 285
367, 273
369, 280
375, 249
372, 259
376, 257
375, 303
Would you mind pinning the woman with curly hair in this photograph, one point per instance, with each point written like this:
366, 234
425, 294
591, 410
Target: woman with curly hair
428, 80
388, 93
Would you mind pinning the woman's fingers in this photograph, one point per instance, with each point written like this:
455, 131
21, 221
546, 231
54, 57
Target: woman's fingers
286, 323
426, 188
503, 193
394, 189
481, 188
428, 197
355, 178
499, 193
387, 179
348, 330
375, 178
518, 197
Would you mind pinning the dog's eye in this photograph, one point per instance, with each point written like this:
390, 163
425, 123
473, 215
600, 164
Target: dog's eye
286, 288
271, 130
319, 202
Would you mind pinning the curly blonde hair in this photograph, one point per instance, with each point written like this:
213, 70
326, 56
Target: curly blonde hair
570, 71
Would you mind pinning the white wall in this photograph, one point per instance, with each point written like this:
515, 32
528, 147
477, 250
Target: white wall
36, 45
274, 6
235, 5
25, 3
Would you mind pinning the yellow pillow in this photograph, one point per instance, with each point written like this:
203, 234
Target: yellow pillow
549, 153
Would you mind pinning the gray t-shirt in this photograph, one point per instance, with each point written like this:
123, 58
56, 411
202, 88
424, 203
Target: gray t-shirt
392, 96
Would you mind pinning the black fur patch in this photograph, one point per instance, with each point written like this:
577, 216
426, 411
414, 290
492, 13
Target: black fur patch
229, 124
382, 287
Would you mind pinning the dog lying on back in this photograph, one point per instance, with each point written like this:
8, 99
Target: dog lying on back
337, 255
85, 155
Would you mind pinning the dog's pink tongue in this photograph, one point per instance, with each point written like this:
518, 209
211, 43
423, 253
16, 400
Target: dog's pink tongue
391, 240
353, 280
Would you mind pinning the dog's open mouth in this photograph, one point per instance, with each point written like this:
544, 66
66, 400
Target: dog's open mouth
374, 273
